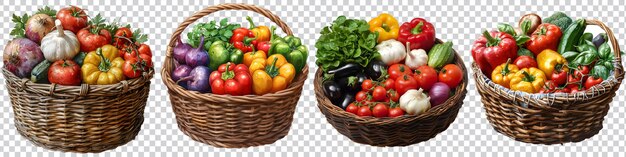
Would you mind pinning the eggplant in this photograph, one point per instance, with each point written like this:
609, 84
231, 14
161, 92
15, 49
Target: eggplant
599, 39
346, 99
352, 83
376, 69
349, 69
333, 91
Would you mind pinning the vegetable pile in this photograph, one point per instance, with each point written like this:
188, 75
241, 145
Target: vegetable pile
67, 47
382, 69
225, 58
556, 56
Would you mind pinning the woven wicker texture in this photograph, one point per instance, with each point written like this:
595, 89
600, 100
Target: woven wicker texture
555, 118
232, 121
400, 131
86, 118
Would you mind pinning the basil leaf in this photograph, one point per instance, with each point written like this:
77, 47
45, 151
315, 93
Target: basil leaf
524, 52
604, 51
570, 55
526, 26
503, 27
521, 40
601, 71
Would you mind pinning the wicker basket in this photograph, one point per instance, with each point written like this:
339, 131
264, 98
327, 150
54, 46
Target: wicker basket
85, 119
232, 121
552, 118
399, 131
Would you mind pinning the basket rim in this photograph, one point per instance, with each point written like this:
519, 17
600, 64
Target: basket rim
460, 93
295, 86
547, 100
82, 90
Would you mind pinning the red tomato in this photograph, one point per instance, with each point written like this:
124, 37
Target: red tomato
72, 18
131, 68
573, 81
559, 77
146, 59
548, 87
119, 39
379, 93
563, 90
396, 112
405, 83
451, 75
352, 108
393, 95
582, 72
576, 89
380, 110
389, 84
144, 49
360, 96
367, 85
426, 77
64, 72
525, 62
397, 70
89, 41
592, 81
364, 111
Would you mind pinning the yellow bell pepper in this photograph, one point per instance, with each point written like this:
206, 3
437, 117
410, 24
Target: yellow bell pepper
386, 26
271, 75
103, 66
503, 74
548, 59
250, 56
529, 80
261, 33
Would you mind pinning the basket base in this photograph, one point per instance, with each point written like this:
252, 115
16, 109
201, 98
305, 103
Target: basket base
533, 139
269, 139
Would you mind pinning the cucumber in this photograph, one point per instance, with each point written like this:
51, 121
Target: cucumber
40, 72
571, 36
440, 55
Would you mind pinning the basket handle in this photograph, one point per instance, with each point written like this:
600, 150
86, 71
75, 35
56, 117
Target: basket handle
226, 6
619, 69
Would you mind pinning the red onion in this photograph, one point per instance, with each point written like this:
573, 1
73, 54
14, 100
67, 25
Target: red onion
439, 93
21, 56
180, 72
197, 56
198, 79
180, 51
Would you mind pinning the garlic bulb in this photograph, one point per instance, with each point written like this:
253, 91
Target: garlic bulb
415, 102
60, 44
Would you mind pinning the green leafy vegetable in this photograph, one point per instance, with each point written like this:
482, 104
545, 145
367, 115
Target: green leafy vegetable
525, 52
20, 25
345, 41
48, 11
212, 31
138, 37
520, 39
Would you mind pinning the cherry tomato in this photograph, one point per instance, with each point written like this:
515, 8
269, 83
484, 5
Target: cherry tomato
379, 93
120, 34
451, 75
426, 77
352, 108
144, 49
393, 95
592, 81
361, 96
380, 110
389, 84
396, 112
582, 71
405, 83
397, 70
131, 68
573, 81
576, 90
147, 59
563, 90
525, 62
367, 85
364, 111
548, 87
559, 77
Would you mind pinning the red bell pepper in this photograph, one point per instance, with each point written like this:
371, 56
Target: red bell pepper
231, 79
546, 36
419, 32
243, 39
493, 49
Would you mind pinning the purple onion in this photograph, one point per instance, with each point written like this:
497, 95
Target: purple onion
180, 72
197, 56
439, 93
180, 51
198, 79
21, 56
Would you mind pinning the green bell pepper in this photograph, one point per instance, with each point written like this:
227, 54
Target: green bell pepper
291, 47
221, 52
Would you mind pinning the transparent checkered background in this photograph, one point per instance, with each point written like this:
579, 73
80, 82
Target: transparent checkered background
310, 134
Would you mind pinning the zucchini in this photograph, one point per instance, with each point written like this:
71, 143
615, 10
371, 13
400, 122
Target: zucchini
79, 58
40, 72
571, 36
440, 55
